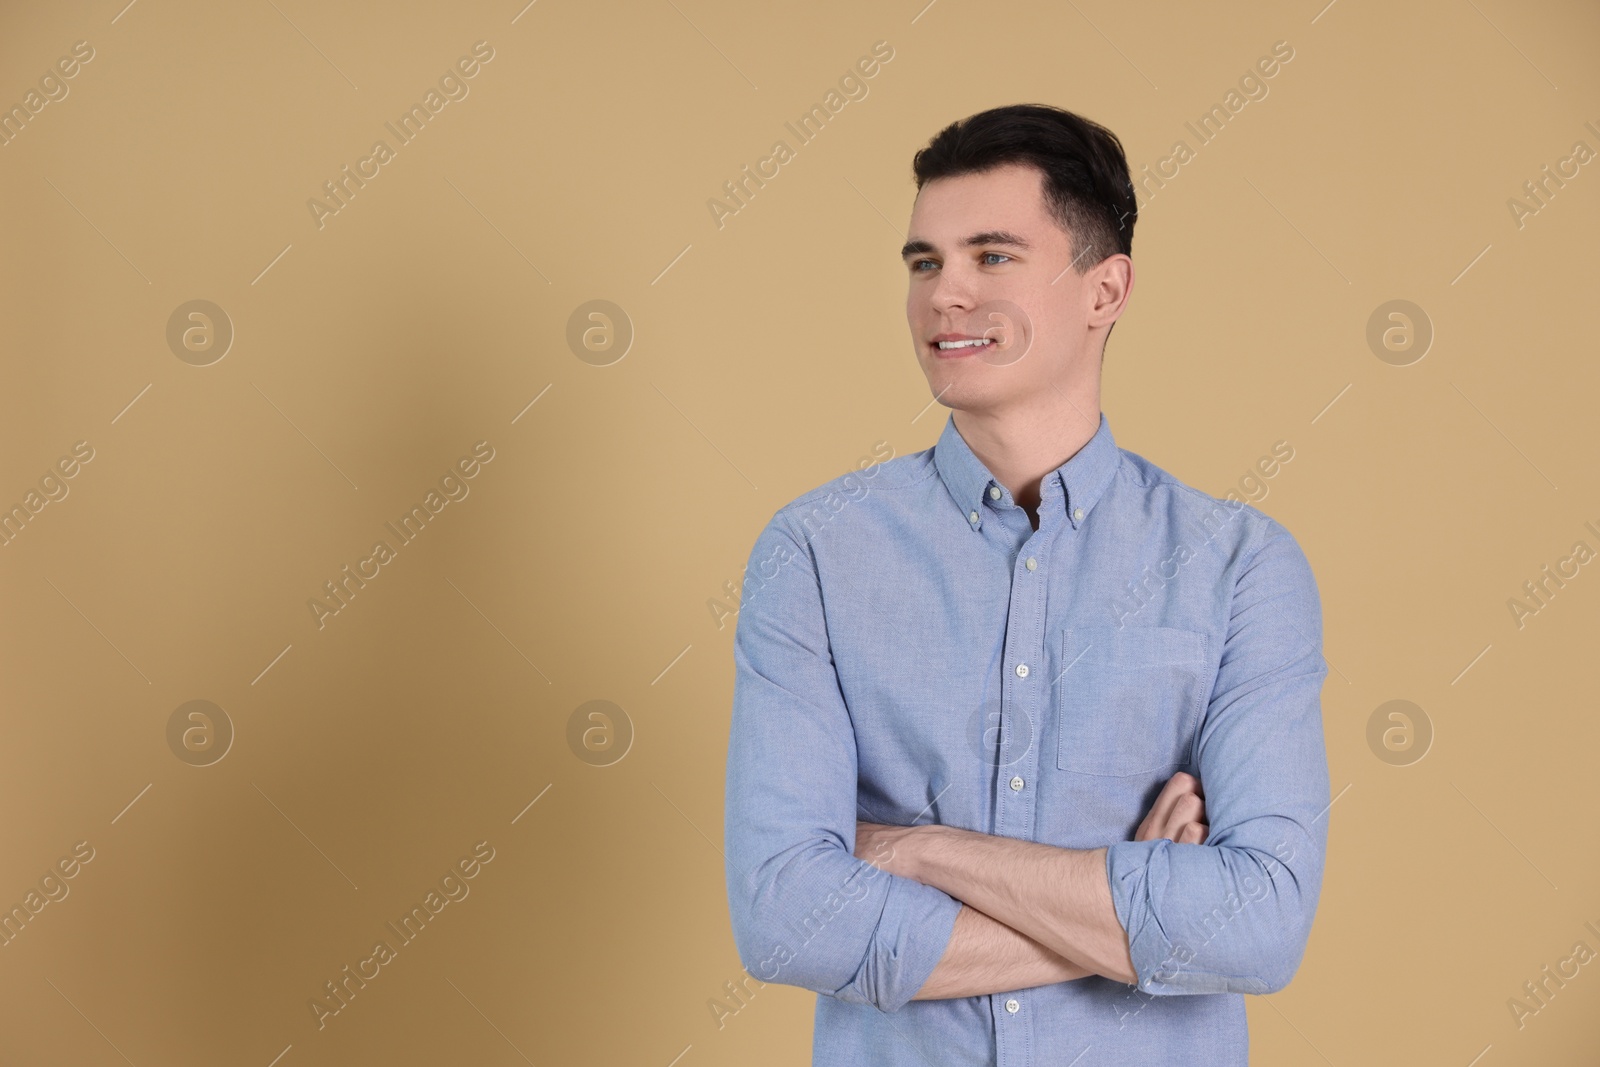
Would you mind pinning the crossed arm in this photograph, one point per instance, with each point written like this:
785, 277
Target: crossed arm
1228, 918
1032, 914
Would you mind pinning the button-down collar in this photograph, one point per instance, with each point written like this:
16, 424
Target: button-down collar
1082, 478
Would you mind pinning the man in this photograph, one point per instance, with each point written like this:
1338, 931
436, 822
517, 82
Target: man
987, 700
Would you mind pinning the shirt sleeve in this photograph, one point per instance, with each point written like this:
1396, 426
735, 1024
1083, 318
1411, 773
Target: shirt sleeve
805, 910
1233, 914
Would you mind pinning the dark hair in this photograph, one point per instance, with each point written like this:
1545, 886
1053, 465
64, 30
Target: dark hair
1086, 184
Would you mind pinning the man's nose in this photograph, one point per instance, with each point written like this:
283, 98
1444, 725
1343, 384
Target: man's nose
952, 292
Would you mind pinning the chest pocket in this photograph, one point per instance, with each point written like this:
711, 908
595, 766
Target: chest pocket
1128, 699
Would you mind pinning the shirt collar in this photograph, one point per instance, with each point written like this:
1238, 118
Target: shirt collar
1080, 480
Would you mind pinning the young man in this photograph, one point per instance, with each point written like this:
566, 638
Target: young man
978, 695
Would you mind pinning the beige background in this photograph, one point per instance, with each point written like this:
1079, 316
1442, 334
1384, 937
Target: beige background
371, 754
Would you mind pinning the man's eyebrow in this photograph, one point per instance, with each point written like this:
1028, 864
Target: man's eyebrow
987, 237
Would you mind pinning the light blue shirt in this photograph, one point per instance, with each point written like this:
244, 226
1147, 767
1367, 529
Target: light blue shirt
910, 650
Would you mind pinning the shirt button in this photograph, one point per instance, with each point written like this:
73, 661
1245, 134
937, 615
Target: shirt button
973, 517
1033, 564
1016, 784
1022, 670
1078, 515
994, 492
1012, 1006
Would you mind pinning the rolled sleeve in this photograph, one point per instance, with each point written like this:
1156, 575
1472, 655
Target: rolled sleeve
1233, 914
805, 911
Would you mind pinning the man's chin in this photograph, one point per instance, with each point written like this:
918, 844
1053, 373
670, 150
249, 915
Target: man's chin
958, 392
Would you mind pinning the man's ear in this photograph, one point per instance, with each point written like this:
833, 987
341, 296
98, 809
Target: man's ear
1114, 274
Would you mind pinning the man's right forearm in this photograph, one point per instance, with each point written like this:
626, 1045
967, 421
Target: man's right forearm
987, 956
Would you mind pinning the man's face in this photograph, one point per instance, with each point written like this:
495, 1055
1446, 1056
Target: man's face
986, 260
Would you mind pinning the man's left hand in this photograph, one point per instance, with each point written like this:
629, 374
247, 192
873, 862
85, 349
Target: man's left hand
1179, 813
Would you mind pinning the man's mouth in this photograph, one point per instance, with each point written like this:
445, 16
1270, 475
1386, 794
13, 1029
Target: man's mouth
963, 346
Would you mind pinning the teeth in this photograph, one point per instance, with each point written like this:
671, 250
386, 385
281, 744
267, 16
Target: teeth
965, 344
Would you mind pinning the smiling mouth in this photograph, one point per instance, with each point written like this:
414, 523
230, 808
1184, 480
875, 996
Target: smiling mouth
957, 349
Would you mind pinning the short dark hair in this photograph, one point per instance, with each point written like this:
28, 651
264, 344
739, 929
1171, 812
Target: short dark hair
1086, 184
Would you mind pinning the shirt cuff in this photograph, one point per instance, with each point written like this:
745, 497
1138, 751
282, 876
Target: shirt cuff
912, 934
1163, 961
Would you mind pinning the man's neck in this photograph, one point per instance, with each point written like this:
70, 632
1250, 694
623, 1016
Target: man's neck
1021, 446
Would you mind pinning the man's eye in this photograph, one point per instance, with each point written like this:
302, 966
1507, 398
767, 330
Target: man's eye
916, 264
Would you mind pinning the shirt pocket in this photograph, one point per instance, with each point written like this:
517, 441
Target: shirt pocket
1128, 698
